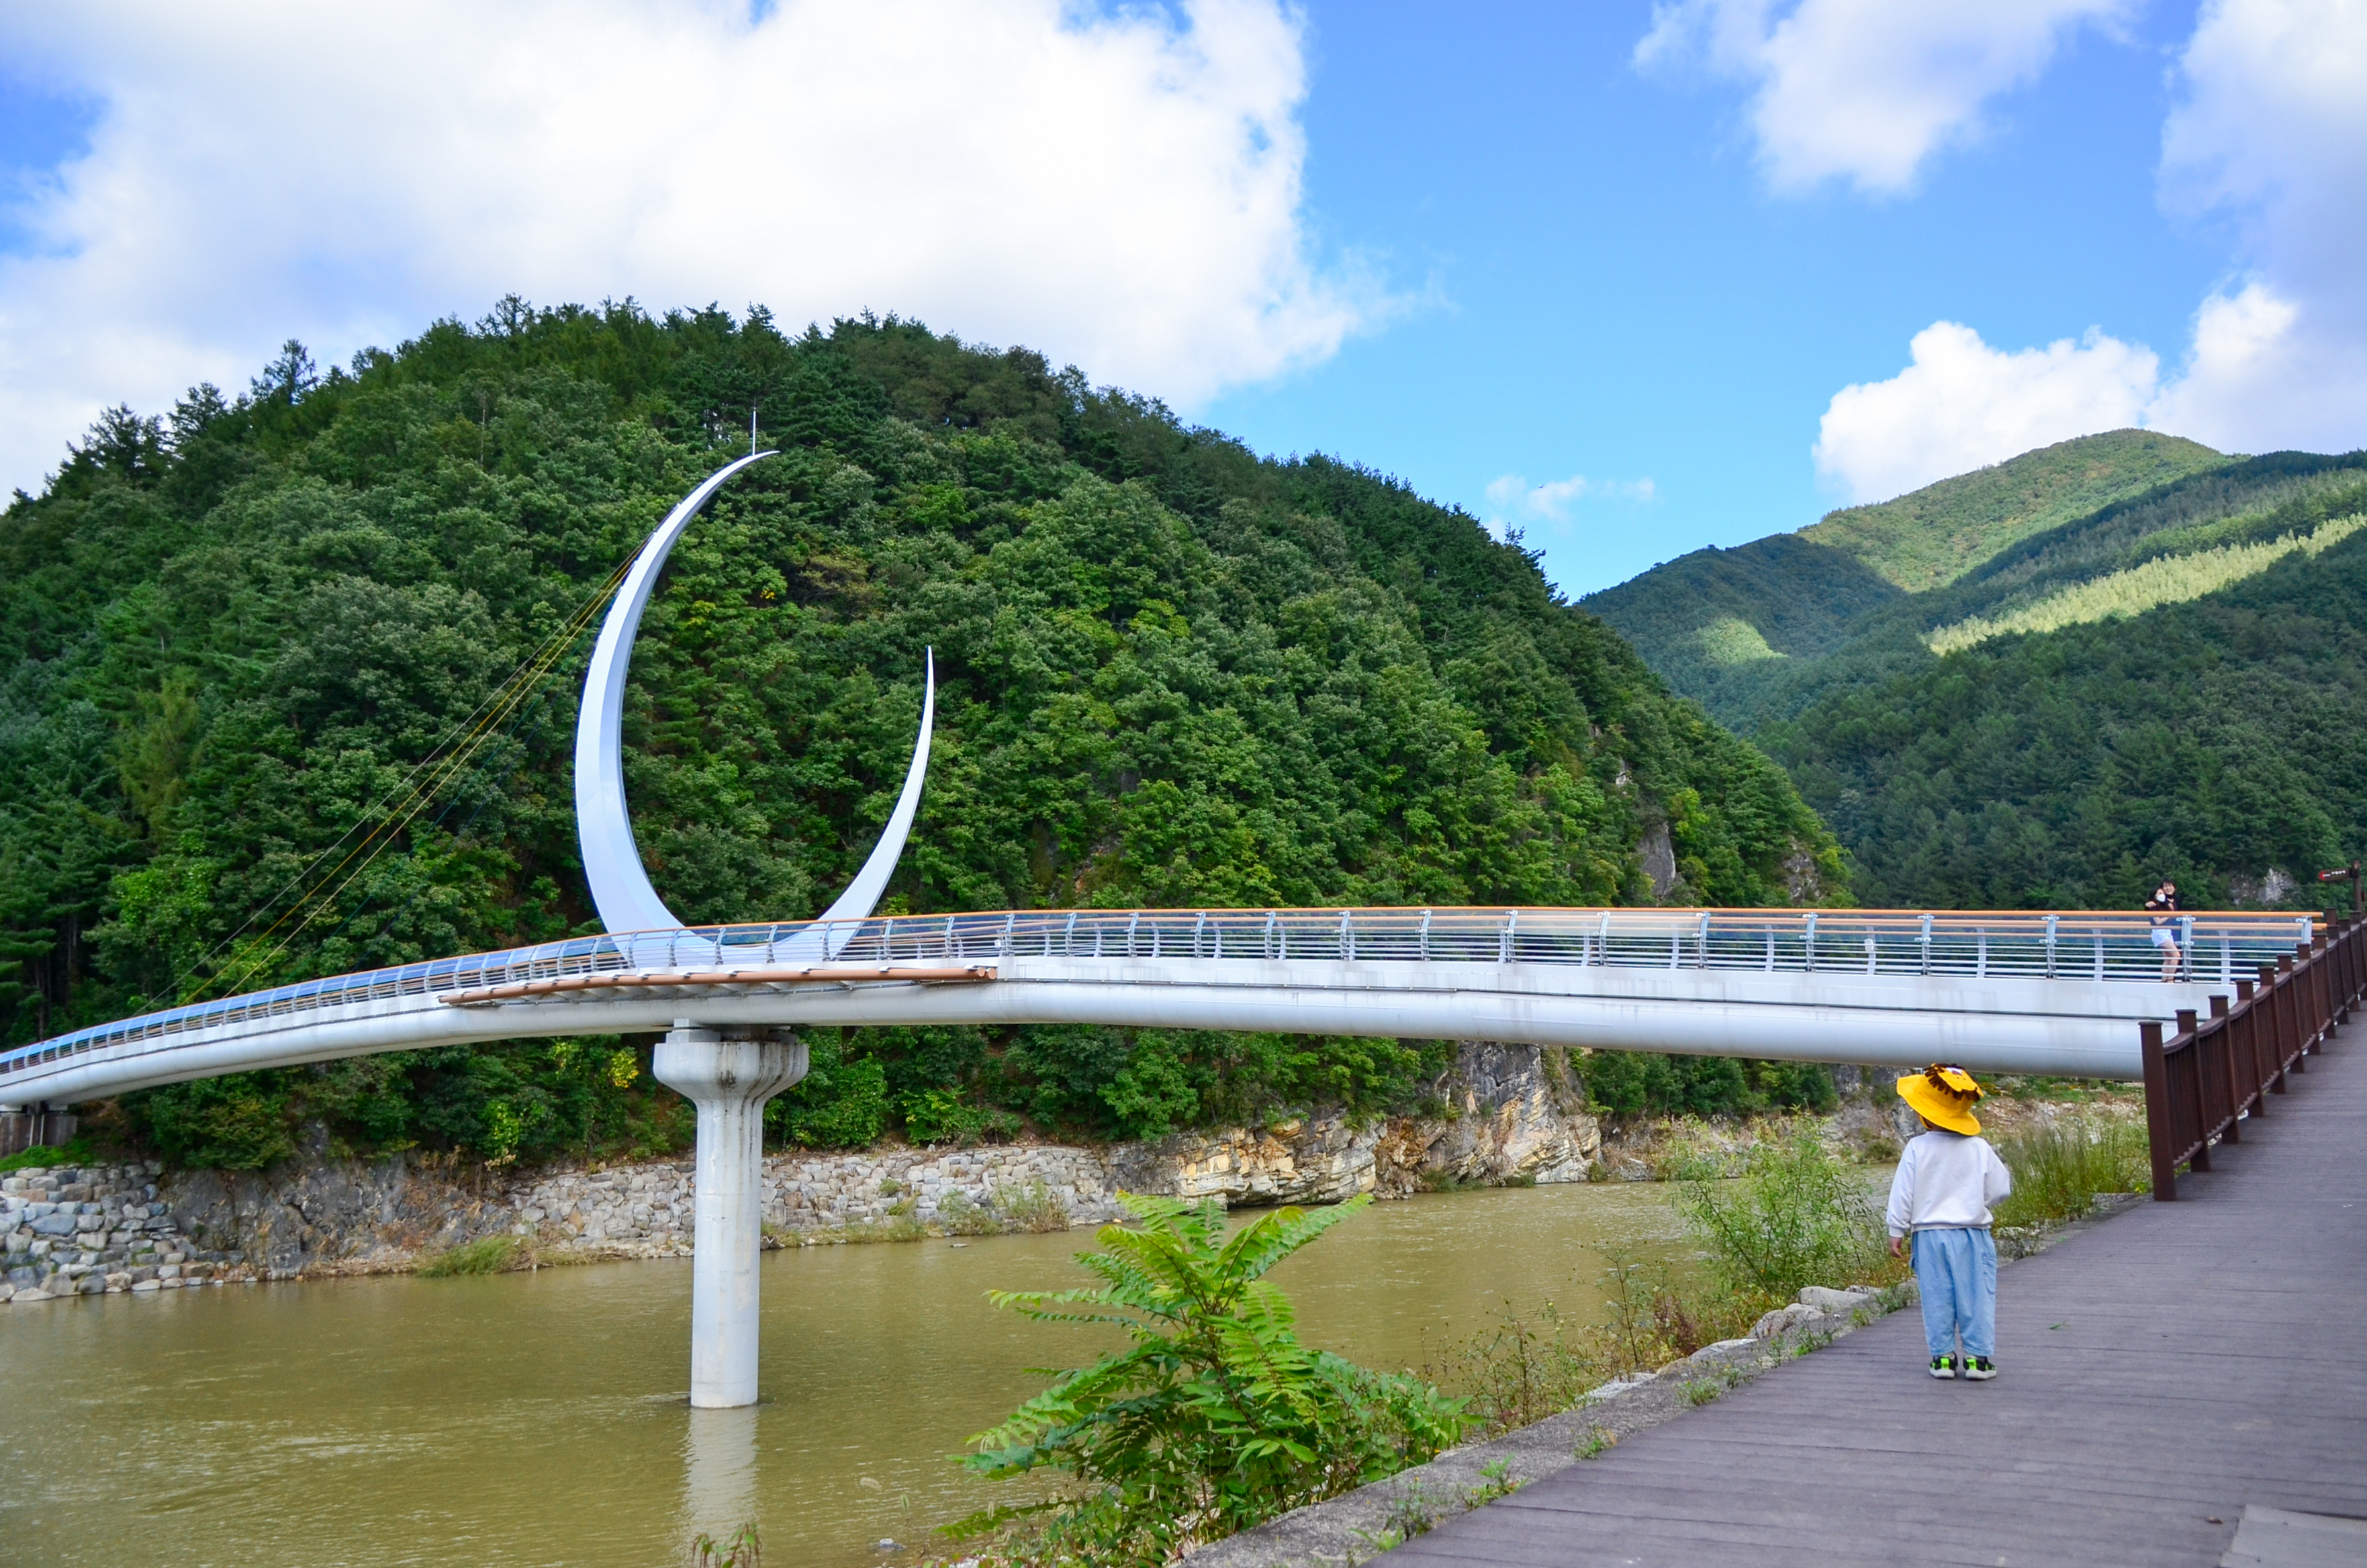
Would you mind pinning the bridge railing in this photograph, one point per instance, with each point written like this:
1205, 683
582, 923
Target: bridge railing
2204, 1082
2085, 946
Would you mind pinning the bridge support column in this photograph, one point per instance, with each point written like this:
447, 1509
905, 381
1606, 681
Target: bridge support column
728, 1081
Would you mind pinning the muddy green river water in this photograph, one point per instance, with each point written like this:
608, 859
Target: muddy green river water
541, 1418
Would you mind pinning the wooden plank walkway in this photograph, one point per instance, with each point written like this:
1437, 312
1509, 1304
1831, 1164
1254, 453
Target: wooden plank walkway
2157, 1373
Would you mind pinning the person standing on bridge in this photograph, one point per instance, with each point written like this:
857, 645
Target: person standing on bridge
2164, 907
1947, 1180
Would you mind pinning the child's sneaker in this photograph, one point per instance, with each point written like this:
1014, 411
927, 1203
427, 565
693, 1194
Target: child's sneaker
1945, 1367
1978, 1369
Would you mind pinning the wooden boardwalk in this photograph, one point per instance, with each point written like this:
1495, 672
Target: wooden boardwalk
2157, 1373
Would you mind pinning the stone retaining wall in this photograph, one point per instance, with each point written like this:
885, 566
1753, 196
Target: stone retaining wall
85, 1231
1513, 1116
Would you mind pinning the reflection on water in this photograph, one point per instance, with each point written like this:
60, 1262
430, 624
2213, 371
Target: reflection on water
544, 1418
718, 1473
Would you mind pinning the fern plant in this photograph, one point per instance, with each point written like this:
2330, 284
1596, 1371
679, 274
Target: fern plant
1214, 1417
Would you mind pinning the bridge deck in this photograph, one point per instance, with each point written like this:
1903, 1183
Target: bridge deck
2156, 1372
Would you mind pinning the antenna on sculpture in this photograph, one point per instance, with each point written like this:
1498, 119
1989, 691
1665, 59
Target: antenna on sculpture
751, 429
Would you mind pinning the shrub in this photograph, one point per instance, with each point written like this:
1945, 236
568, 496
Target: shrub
1517, 1370
1215, 1417
1797, 1216
2058, 1170
837, 1104
1632, 1083
486, 1254
233, 1123
1031, 1208
41, 1156
960, 1217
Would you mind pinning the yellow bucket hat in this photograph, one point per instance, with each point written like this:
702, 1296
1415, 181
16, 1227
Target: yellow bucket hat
1944, 1097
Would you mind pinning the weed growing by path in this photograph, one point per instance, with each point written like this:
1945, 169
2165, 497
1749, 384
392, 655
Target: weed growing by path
2060, 1169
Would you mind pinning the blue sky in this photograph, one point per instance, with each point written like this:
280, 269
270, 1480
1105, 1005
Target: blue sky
1630, 296
1612, 292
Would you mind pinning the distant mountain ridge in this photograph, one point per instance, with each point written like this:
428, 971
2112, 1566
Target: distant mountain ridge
1804, 594
2169, 680
1931, 536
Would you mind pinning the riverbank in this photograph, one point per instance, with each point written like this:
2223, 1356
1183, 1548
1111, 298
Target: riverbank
1513, 1116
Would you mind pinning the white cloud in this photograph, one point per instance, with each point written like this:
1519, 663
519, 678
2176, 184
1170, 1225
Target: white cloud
1517, 501
1122, 192
1960, 404
2271, 131
1866, 90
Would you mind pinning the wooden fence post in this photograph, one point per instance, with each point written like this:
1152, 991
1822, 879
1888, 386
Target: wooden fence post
2224, 1042
2159, 1132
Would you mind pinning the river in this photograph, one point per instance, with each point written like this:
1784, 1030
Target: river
541, 1418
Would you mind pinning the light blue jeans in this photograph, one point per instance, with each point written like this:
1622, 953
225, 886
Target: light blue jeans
1956, 1273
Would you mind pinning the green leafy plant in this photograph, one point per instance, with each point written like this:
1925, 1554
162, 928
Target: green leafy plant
742, 1549
1495, 1480
1214, 1417
1596, 1442
1797, 1215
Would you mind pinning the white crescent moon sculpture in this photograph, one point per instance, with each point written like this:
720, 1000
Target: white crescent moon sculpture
612, 860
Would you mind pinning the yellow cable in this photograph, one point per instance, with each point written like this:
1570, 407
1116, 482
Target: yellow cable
489, 716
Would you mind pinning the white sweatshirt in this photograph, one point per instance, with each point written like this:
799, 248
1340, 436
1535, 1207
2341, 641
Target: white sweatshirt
1945, 1181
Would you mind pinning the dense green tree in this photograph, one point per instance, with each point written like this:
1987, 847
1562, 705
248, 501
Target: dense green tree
240, 642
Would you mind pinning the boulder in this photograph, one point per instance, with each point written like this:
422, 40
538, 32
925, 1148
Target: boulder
1829, 1301
1773, 1323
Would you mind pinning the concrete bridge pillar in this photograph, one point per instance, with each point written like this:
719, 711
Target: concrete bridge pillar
728, 1081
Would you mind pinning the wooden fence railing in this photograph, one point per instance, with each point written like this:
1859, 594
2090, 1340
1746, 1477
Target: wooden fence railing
2202, 1081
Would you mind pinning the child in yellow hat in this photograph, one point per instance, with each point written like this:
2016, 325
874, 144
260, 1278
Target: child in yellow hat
1947, 1180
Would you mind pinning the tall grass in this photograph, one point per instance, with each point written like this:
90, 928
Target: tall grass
2060, 1169
2170, 579
1797, 1215
486, 1254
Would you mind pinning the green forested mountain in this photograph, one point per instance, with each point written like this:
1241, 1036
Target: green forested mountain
1931, 536
1170, 673
1732, 627
2164, 684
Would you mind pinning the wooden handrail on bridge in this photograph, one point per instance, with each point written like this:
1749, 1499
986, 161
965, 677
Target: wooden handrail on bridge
2201, 1082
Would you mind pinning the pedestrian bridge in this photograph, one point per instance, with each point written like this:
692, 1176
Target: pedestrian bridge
1998, 992
2067, 994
